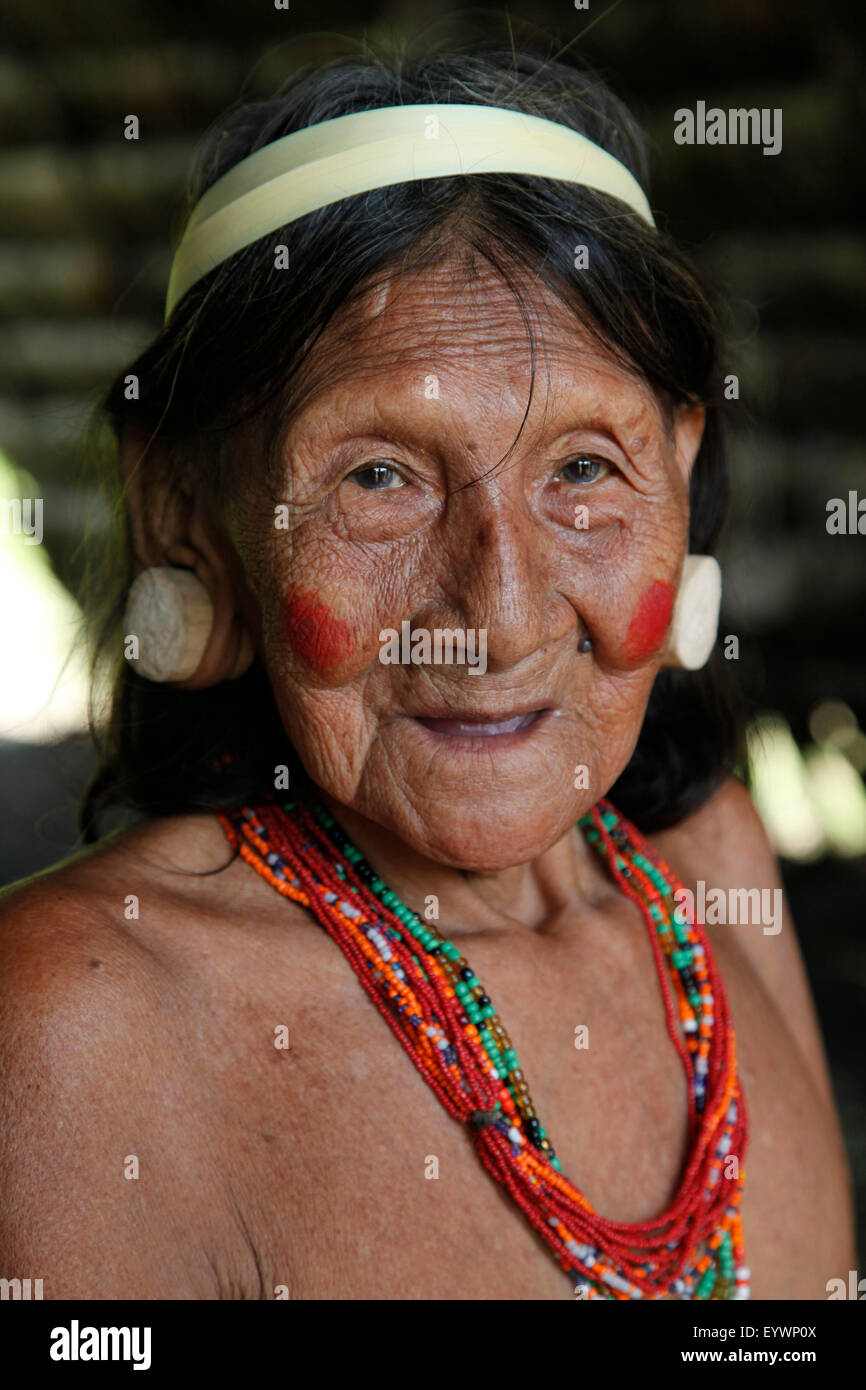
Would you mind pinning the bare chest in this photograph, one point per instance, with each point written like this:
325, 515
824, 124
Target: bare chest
344, 1177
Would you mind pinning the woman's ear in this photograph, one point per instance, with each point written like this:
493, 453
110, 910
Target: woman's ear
688, 433
173, 524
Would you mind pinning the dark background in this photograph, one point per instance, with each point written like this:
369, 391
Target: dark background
86, 219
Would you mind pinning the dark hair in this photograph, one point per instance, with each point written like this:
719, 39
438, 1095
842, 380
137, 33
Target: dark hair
232, 349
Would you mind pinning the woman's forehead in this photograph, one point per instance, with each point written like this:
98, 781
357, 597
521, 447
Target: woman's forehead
449, 334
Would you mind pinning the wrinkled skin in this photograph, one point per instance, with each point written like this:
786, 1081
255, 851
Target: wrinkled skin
460, 539
305, 1168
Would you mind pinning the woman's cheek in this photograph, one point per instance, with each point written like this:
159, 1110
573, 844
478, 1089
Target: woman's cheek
640, 632
649, 621
319, 638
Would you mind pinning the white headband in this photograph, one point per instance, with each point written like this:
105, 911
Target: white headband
372, 149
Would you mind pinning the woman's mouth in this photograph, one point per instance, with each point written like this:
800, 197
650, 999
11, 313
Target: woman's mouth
470, 726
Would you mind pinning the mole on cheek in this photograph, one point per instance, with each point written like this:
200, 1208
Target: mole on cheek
312, 631
650, 620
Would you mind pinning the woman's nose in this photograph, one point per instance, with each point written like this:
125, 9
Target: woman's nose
501, 575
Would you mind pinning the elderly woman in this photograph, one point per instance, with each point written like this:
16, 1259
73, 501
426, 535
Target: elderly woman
385, 993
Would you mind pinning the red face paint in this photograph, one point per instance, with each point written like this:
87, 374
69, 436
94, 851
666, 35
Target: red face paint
650, 620
310, 628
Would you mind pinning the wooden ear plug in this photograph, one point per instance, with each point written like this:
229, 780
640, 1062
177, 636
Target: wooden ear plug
695, 621
170, 613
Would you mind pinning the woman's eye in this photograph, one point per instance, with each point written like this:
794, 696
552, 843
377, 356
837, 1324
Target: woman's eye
584, 469
377, 477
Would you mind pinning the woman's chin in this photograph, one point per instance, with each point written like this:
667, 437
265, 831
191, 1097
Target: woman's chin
487, 834
489, 844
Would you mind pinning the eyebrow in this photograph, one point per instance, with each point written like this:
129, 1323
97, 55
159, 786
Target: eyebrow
347, 373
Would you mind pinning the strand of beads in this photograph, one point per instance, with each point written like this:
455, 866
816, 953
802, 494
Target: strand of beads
704, 1018
478, 1017
438, 1008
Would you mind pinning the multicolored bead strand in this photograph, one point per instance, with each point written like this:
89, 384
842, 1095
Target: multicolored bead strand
427, 992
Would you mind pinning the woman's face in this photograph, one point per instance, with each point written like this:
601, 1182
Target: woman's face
400, 511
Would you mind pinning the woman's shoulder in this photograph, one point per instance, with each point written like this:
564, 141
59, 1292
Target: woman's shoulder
126, 938
97, 1067
725, 832
723, 855
78, 952
723, 849
107, 895
127, 880
101, 941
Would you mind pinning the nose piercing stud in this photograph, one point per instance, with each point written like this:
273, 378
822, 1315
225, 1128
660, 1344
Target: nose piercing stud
585, 644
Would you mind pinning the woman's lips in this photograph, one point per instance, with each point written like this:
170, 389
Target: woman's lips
470, 726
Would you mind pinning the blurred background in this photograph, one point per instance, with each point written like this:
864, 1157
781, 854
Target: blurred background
86, 224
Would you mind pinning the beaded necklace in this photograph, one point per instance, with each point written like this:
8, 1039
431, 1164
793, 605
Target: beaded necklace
428, 994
